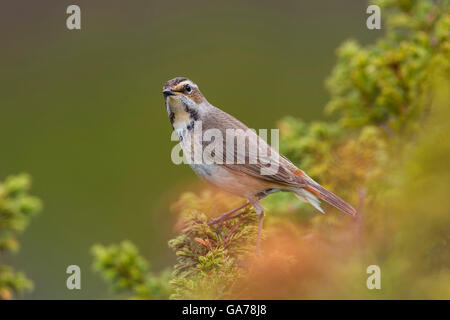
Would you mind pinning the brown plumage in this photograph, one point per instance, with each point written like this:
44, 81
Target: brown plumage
251, 172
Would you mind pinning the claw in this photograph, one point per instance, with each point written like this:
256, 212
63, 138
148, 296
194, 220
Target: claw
218, 228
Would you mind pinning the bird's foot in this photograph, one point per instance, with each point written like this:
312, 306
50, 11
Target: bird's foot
213, 221
225, 217
220, 220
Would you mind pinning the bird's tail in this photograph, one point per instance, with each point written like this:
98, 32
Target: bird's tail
314, 192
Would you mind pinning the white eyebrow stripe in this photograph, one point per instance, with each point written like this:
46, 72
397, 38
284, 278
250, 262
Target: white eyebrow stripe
188, 82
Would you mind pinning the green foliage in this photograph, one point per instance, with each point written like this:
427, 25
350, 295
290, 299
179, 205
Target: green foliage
384, 84
126, 270
16, 209
381, 155
420, 259
309, 144
208, 263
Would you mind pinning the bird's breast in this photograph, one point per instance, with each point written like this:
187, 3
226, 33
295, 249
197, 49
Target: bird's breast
232, 182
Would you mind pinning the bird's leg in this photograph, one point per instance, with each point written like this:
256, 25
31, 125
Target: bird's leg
258, 241
260, 211
229, 218
227, 215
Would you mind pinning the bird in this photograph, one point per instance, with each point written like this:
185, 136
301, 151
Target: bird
246, 166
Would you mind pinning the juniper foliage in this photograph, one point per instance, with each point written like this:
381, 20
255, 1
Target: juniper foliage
17, 206
209, 264
127, 271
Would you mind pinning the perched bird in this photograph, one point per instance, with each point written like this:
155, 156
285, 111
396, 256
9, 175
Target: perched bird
248, 167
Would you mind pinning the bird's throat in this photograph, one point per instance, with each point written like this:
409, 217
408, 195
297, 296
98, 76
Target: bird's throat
181, 115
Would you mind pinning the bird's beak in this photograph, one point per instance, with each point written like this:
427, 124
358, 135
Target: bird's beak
168, 92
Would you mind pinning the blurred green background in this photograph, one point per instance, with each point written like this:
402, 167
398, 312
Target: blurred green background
82, 112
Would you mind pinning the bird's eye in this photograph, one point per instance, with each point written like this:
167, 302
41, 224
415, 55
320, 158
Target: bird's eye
188, 88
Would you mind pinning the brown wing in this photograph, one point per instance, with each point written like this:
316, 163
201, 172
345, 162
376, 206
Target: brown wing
257, 159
